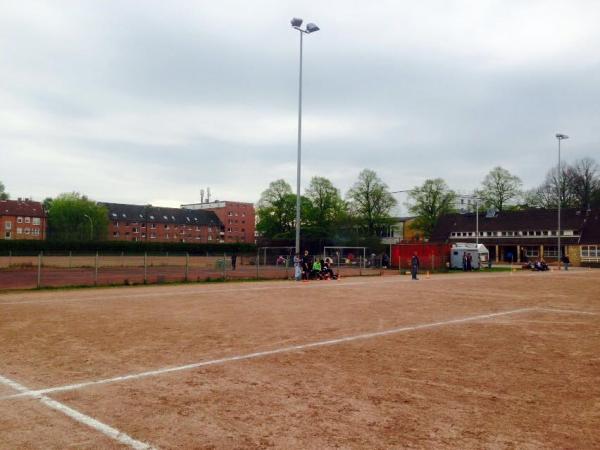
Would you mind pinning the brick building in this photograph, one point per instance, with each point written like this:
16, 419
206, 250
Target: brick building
156, 224
22, 219
519, 235
238, 218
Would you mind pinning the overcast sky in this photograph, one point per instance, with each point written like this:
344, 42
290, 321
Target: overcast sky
150, 101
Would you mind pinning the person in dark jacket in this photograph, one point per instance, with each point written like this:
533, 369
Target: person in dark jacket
414, 266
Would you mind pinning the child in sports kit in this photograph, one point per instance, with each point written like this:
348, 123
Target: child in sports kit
297, 267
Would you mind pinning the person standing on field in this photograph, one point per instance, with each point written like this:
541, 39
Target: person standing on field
414, 266
297, 267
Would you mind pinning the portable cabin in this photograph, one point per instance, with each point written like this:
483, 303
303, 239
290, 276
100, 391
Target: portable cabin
479, 255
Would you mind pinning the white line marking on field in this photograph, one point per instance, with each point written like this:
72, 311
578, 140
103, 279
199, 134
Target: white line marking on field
80, 417
254, 355
568, 311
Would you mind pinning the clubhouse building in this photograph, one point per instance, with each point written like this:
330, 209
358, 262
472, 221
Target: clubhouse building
517, 236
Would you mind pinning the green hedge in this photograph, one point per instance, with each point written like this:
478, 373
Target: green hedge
117, 247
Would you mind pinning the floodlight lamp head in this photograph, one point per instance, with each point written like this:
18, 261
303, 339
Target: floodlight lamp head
296, 22
560, 136
311, 28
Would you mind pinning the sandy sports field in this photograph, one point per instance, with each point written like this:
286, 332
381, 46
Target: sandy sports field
507, 360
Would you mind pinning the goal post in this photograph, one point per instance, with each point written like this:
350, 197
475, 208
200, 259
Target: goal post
346, 257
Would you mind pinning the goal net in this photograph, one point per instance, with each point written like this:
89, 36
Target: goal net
275, 262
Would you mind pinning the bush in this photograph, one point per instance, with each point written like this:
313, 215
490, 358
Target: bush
18, 247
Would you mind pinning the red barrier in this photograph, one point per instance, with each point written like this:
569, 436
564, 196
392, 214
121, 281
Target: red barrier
431, 256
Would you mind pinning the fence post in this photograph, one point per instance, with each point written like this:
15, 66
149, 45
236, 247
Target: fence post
432, 262
96, 270
39, 274
187, 266
224, 263
145, 268
257, 262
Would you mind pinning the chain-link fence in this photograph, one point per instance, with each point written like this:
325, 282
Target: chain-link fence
19, 271
56, 270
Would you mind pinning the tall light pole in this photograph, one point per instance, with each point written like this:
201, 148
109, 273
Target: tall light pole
310, 28
559, 137
91, 227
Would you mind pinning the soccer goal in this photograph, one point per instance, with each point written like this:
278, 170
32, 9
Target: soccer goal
347, 258
276, 262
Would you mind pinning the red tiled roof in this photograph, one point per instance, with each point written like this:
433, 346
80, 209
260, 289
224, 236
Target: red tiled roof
21, 208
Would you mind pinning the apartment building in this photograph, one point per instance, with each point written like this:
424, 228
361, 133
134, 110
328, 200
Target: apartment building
22, 219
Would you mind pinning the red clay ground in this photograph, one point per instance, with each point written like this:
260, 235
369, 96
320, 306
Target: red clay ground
524, 379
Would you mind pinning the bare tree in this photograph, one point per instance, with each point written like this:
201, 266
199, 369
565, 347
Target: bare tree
429, 202
499, 187
584, 181
370, 201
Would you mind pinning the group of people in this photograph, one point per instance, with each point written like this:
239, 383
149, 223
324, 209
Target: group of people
308, 268
539, 265
467, 262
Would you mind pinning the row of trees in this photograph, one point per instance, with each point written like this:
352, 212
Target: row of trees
325, 214
578, 186
367, 207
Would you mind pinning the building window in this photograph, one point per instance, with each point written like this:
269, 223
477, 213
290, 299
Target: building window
19, 220
532, 252
153, 226
115, 234
19, 230
135, 230
27, 219
550, 251
210, 238
590, 251
8, 225
27, 230
7, 235
35, 231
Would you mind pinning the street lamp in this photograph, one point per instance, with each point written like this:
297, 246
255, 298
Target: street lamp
559, 137
91, 227
310, 28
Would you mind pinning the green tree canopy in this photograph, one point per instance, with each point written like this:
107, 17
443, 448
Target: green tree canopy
370, 202
277, 210
499, 187
3, 194
327, 205
73, 217
428, 203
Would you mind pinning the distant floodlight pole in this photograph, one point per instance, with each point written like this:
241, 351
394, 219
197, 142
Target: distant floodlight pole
477, 223
91, 227
559, 137
310, 28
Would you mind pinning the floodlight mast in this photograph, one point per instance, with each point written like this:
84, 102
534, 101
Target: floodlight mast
559, 137
310, 28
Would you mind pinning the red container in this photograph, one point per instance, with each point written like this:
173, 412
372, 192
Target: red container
431, 256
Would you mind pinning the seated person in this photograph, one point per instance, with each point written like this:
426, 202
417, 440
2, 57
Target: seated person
326, 270
543, 264
316, 270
